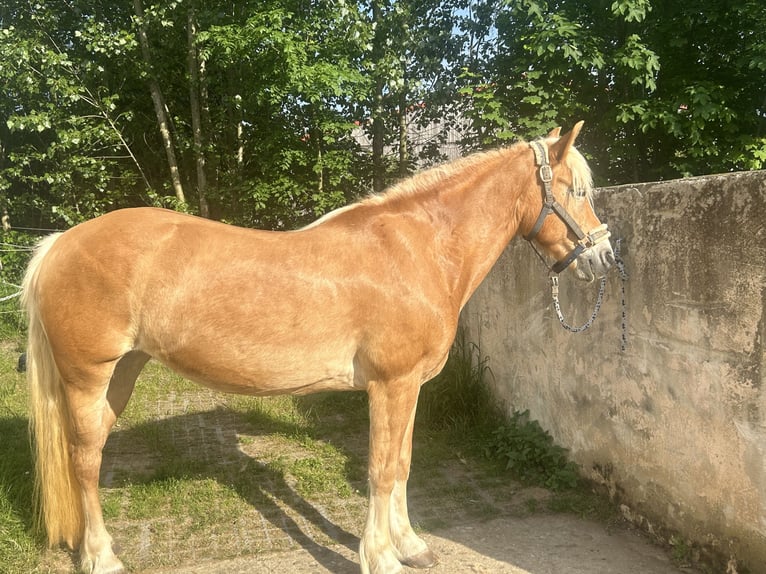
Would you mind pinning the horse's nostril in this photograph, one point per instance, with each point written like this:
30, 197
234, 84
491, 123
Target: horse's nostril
609, 258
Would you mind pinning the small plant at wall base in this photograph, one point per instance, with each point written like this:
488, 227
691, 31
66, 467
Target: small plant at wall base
529, 452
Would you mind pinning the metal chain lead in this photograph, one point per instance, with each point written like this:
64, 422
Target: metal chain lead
620, 264
556, 305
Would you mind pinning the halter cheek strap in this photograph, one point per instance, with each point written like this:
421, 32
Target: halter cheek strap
584, 240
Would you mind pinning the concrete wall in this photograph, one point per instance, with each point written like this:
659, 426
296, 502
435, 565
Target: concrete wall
676, 425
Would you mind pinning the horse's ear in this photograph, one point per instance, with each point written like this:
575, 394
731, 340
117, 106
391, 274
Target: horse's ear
561, 148
554, 133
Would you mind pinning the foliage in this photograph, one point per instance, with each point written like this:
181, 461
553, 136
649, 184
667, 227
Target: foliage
530, 453
59, 122
460, 402
289, 88
15, 252
286, 77
665, 88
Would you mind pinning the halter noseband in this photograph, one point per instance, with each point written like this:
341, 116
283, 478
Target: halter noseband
584, 240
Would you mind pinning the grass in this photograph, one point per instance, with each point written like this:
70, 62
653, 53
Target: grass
190, 474
19, 550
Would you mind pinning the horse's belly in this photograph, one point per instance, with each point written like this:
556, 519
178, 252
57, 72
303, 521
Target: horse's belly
265, 371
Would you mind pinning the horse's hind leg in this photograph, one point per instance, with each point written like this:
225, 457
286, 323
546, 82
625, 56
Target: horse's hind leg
124, 379
94, 408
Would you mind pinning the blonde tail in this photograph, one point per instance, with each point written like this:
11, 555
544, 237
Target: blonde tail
57, 494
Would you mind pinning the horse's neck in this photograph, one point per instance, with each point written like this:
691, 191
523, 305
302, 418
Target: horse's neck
484, 217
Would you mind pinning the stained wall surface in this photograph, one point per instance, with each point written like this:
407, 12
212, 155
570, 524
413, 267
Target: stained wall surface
675, 425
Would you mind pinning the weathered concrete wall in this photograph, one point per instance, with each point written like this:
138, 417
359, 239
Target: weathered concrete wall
676, 425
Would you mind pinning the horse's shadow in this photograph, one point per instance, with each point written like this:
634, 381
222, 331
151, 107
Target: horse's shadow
205, 445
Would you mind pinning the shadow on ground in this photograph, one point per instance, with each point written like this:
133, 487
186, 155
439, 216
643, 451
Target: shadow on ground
255, 517
215, 445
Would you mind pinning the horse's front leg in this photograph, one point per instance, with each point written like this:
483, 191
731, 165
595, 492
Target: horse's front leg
388, 540
411, 550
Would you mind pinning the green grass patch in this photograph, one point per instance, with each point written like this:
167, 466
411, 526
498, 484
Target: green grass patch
200, 501
19, 548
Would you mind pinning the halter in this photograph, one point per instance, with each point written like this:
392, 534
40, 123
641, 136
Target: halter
584, 240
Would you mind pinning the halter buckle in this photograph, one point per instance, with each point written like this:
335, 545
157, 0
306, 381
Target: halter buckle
546, 173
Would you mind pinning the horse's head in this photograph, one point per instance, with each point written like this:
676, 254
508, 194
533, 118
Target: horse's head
563, 189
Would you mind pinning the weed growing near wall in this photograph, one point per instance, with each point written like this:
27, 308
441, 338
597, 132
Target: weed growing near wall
459, 398
529, 452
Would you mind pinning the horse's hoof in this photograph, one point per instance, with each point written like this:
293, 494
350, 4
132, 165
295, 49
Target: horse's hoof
425, 559
89, 567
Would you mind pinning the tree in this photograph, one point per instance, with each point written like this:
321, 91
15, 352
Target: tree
285, 76
253, 110
416, 51
253, 103
160, 107
197, 102
665, 91
63, 153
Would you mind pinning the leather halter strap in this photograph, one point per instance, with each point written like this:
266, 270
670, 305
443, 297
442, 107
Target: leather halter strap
584, 240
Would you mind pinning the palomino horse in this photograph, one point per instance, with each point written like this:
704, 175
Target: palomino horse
367, 298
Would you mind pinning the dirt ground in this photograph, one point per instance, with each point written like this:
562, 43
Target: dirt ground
537, 544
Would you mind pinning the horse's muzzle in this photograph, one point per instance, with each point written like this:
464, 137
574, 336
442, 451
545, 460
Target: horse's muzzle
595, 262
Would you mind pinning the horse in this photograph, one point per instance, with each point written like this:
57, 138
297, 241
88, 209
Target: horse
366, 298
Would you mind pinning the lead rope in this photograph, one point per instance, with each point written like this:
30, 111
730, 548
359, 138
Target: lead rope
620, 264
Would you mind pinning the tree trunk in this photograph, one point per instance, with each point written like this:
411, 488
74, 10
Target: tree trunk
240, 139
159, 105
196, 114
404, 156
378, 125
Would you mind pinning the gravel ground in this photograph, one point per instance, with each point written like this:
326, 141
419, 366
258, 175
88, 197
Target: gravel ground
537, 544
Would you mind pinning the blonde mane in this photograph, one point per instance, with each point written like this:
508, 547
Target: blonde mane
582, 179
419, 182
436, 175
